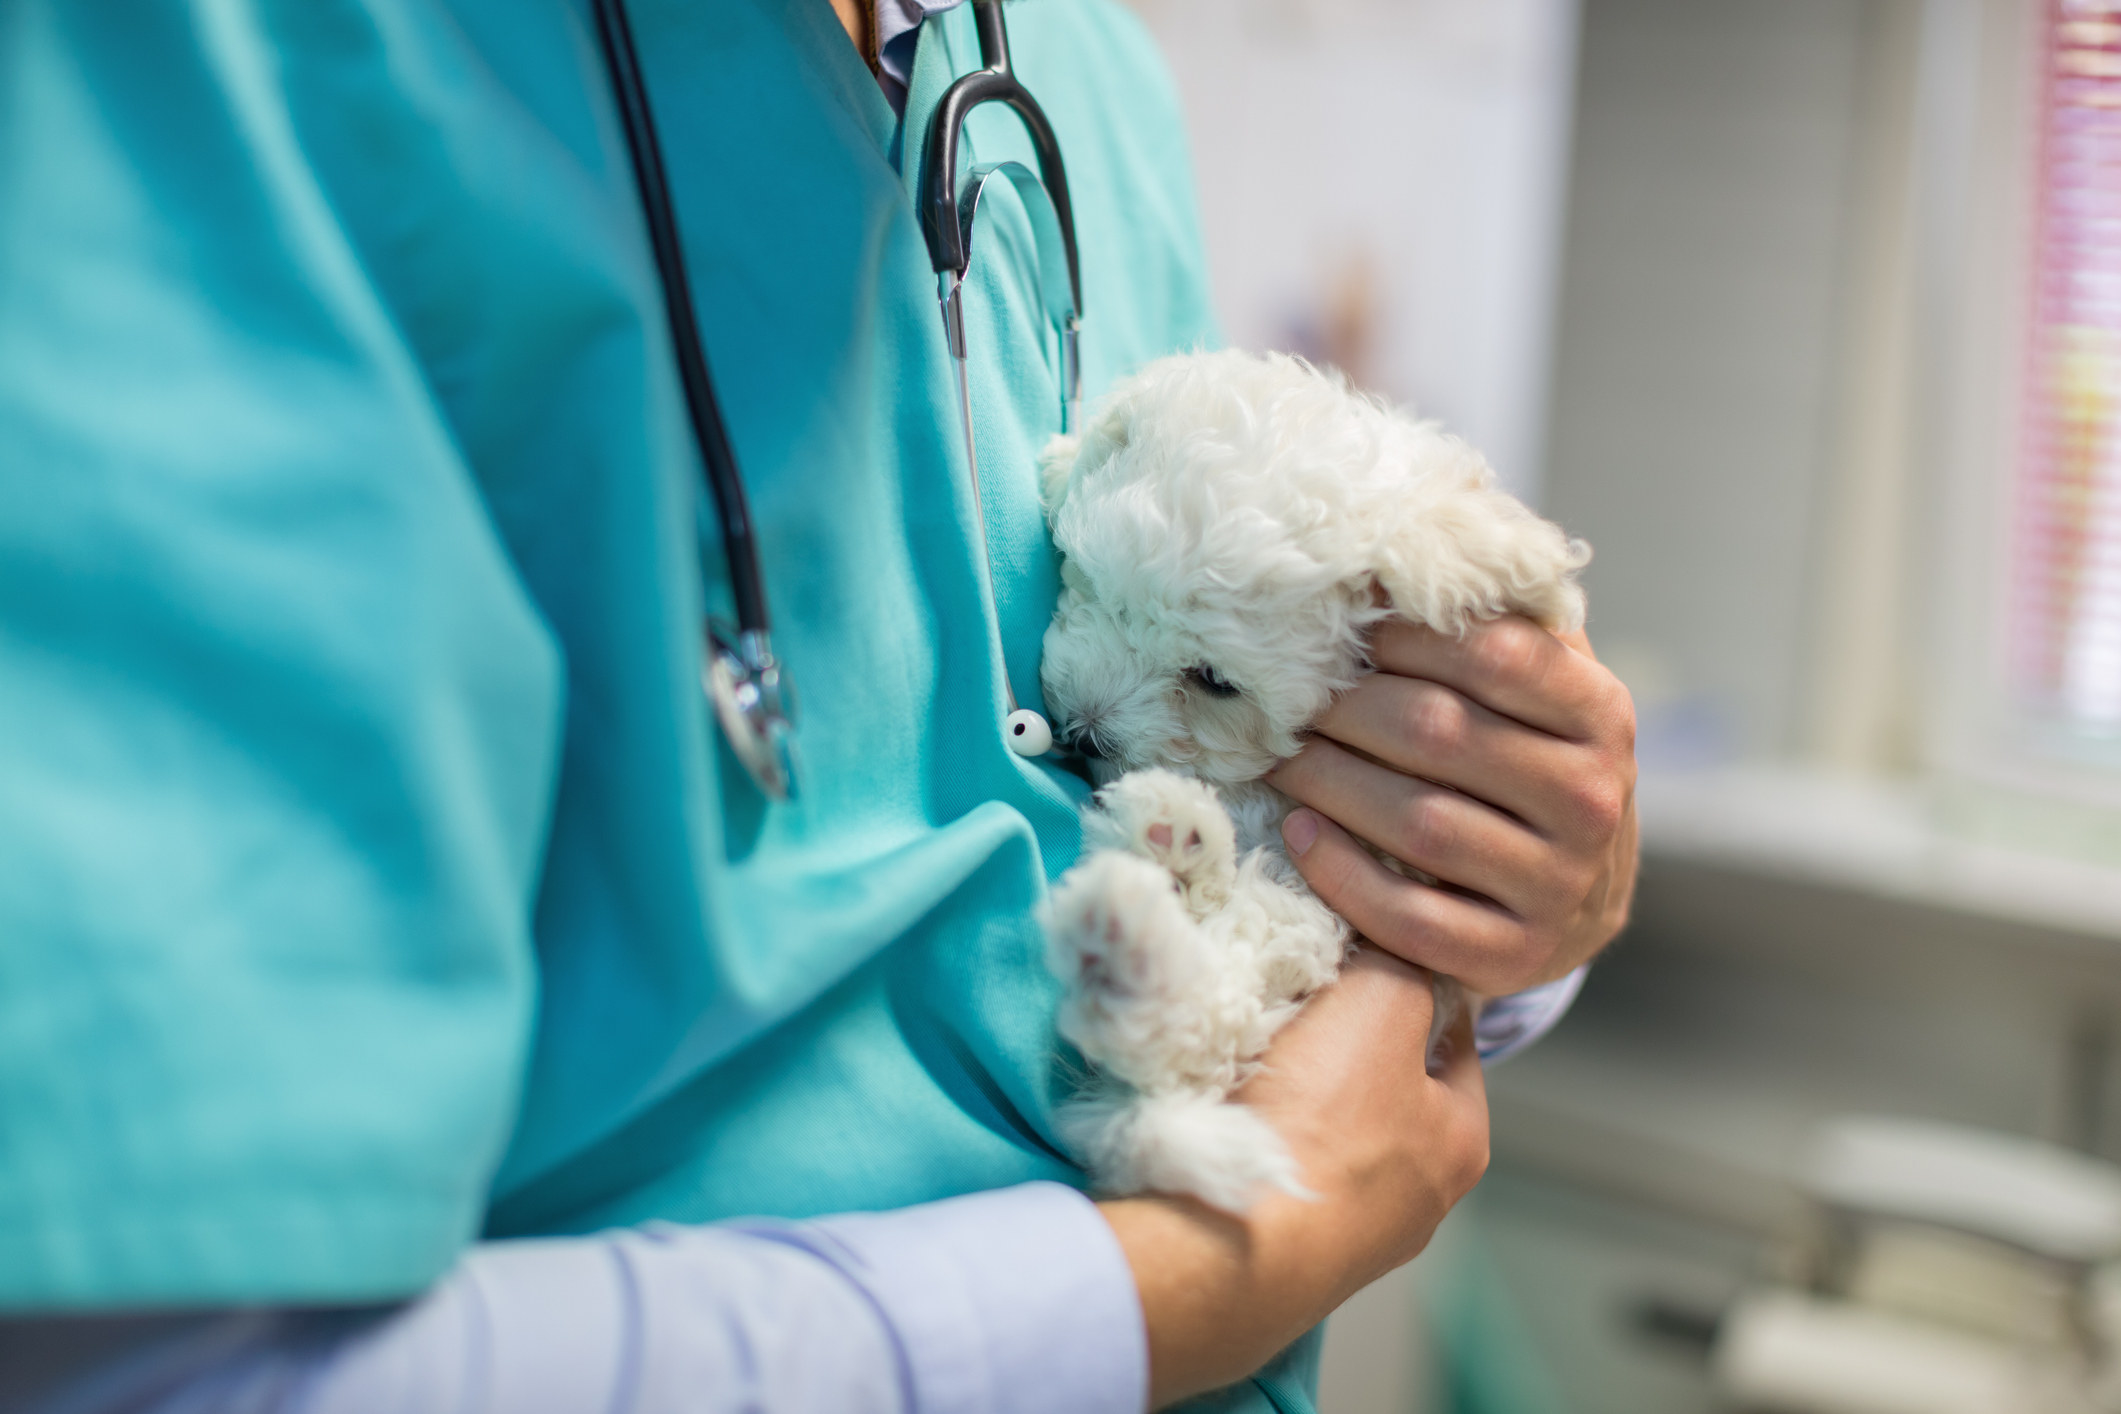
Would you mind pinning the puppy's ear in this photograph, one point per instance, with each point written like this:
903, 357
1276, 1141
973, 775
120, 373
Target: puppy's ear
1055, 465
1474, 552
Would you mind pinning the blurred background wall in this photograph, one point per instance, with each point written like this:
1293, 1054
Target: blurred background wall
1803, 312
1381, 185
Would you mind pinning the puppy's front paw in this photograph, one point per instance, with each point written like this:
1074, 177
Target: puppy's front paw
1174, 821
1135, 966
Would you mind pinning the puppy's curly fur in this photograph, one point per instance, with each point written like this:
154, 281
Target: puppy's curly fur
1233, 525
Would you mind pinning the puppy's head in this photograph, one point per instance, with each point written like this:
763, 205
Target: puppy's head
1233, 525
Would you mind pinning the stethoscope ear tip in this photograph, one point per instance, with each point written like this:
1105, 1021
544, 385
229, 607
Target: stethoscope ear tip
1027, 733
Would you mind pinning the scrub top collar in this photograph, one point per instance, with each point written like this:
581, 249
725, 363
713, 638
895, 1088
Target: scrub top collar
898, 24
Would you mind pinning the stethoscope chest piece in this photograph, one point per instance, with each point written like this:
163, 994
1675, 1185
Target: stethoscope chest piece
752, 703
1027, 733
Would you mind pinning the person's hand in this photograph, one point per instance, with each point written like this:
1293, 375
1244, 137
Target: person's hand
1385, 1147
1501, 764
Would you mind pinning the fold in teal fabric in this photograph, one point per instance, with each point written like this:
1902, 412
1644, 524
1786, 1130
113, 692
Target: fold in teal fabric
373, 877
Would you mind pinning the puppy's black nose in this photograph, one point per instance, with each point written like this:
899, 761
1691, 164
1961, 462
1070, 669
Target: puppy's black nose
1081, 738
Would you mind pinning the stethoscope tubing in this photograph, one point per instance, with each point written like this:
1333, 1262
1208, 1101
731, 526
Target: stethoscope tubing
732, 507
742, 679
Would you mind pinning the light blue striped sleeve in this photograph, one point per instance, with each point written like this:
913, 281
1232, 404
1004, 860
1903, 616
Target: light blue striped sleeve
1017, 1301
1509, 1024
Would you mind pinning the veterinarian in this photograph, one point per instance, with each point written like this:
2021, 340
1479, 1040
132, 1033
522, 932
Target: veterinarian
376, 888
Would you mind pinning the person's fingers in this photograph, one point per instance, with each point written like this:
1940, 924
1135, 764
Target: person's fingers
1426, 729
1465, 1082
1617, 898
1514, 667
1461, 1071
1480, 943
1442, 832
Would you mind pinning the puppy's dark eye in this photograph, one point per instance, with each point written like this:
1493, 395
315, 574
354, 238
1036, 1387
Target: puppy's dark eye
1211, 682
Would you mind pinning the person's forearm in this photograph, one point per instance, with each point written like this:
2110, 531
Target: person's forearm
1009, 1301
1220, 1295
1384, 1147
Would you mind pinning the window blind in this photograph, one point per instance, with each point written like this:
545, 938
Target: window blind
2066, 581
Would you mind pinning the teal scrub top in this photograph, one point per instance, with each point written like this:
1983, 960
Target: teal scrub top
371, 875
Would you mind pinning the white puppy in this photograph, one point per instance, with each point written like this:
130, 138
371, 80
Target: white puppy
1233, 526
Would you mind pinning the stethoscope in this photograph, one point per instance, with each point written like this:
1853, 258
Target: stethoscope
752, 698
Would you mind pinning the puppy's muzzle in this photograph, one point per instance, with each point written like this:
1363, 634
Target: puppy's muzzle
1081, 739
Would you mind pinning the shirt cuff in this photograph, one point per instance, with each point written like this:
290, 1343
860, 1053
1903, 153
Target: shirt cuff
1509, 1024
1017, 1301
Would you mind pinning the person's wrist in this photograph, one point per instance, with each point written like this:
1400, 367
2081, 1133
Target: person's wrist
1320, 1250
1221, 1292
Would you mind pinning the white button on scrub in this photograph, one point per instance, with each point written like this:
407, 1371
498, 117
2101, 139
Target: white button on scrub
1027, 733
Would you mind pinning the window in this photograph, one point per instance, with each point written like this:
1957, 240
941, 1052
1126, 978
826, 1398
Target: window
2065, 623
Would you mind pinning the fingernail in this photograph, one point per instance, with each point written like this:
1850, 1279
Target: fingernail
1299, 831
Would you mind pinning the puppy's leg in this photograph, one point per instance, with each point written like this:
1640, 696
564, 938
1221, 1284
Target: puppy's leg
1182, 1141
1297, 943
1144, 982
1305, 943
1172, 1016
1176, 822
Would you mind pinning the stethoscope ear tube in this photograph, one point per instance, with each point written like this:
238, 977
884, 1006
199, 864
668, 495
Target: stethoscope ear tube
742, 679
947, 217
1055, 292
949, 243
